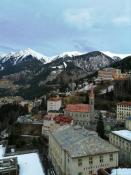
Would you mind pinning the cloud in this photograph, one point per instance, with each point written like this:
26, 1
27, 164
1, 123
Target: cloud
79, 18
122, 20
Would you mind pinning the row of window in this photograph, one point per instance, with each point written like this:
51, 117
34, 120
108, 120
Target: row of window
101, 159
120, 142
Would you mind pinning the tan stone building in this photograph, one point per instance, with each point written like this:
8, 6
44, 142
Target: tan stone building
123, 111
108, 73
76, 151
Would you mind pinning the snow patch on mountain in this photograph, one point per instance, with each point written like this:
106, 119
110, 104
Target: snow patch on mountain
66, 54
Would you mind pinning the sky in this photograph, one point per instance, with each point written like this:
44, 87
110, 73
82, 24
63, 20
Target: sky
55, 26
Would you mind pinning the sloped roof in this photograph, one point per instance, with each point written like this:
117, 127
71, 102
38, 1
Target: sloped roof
78, 108
79, 142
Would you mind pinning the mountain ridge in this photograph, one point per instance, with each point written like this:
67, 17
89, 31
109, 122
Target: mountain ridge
34, 77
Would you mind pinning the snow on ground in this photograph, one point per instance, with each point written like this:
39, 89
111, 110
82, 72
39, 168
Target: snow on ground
29, 163
123, 133
121, 171
86, 88
110, 88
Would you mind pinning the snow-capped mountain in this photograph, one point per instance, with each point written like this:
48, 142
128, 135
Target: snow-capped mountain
20, 56
29, 70
114, 55
67, 54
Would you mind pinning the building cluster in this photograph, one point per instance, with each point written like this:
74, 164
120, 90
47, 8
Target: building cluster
74, 150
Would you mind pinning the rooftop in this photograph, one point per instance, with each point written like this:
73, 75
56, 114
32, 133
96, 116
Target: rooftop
79, 142
29, 163
124, 103
78, 108
121, 171
126, 134
54, 98
109, 69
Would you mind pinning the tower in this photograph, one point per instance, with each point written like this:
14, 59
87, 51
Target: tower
91, 98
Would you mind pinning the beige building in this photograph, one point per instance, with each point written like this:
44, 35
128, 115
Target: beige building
108, 73
82, 114
76, 151
123, 111
54, 104
122, 140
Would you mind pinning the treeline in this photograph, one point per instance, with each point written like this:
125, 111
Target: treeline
9, 114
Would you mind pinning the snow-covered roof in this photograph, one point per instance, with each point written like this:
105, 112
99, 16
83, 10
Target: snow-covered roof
121, 171
29, 164
126, 134
2, 151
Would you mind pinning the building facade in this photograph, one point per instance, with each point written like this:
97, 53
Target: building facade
54, 104
82, 114
9, 166
122, 140
123, 111
108, 73
77, 151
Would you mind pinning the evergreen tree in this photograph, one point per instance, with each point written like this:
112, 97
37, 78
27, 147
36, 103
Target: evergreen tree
100, 127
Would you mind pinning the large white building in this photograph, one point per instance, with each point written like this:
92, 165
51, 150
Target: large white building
54, 104
123, 111
122, 140
82, 114
76, 151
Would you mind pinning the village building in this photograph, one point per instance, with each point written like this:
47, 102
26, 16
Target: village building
21, 163
54, 104
9, 166
108, 73
82, 114
122, 140
123, 111
74, 150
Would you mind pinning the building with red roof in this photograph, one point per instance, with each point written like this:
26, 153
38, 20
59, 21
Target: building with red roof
82, 114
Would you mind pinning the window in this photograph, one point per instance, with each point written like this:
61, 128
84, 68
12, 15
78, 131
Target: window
80, 173
90, 160
90, 172
79, 162
101, 159
111, 157
68, 159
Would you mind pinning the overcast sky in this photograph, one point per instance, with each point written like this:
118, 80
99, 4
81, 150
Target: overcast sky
55, 26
